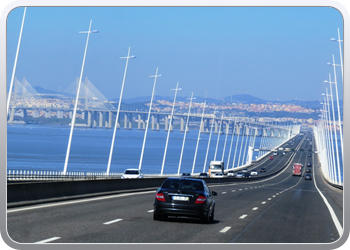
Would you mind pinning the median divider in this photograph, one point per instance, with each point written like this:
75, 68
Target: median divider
30, 193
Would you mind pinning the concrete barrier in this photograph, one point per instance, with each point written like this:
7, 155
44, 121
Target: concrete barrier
19, 194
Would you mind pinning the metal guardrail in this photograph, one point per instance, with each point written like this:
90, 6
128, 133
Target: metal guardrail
39, 175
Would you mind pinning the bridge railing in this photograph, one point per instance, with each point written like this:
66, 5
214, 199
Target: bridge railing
32, 175
330, 165
39, 175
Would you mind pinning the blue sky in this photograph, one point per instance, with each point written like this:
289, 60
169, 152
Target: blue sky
274, 53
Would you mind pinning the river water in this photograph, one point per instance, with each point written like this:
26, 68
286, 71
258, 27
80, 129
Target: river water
44, 147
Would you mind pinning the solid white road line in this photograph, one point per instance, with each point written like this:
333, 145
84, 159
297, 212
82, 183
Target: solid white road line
331, 211
225, 229
48, 240
113, 221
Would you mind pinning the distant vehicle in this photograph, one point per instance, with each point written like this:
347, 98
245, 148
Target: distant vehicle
309, 164
263, 170
203, 175
132, 174
246, 174
240, 175
308, 170
297, 164
184, 197
297, 169
231, 173
283, 153
309, 155
253, 173
271, 157
245, 170
308, 177
218, 175
186, 175
216, 167
275, 153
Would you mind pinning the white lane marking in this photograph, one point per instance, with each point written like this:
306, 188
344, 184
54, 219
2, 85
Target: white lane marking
150, 211
47, 240
243, 216
240, 190
223, 192
78, 201
225, 229
112, 221
269, 199
264, 202
233, 191
255, 208
331, 211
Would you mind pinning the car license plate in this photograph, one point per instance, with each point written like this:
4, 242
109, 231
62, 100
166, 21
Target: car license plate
180, 198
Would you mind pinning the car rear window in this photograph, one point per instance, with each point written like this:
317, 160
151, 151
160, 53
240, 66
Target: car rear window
131, 172
183, 185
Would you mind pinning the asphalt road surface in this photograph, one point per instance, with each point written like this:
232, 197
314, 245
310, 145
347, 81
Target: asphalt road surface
278, 209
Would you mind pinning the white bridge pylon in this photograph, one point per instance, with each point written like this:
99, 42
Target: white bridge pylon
23, 93
89, 97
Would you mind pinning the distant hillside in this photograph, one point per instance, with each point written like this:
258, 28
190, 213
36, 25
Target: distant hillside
41, 90
240, 98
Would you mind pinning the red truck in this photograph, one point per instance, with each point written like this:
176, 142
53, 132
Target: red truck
297, 169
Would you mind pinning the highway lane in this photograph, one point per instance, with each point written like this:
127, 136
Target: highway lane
279, 209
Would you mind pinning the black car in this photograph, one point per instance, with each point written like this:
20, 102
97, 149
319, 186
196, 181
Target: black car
308, 177
184, 197
186, 175
309, 164
308, 171
263, 170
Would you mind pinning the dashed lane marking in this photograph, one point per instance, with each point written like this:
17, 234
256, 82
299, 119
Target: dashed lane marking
113, 221
255, 208
225, 229
243, 216
48, 240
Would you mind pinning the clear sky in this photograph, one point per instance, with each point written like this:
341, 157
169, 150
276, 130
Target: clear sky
274, 53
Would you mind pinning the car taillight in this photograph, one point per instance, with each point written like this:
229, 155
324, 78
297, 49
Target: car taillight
200, 199
160, 197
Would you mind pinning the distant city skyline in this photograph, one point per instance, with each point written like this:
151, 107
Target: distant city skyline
273, 53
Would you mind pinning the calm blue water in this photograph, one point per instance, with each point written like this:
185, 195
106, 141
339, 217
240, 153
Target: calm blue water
43, 147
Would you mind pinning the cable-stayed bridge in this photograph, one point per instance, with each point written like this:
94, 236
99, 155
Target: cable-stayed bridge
97, 111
